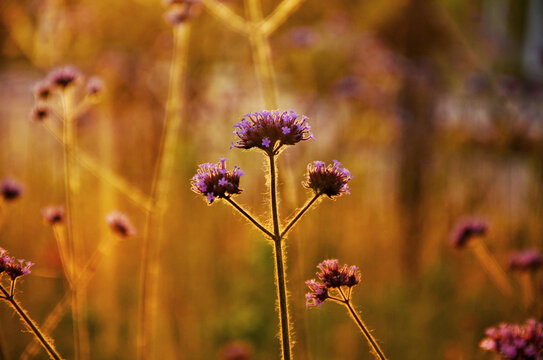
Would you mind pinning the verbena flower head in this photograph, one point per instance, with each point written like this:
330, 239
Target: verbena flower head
53, 214
4, 260
465, 229
214, 181
120, 224
270, 130
64, 76
236, 351
40, 112
333, 276
42, 90
95, 86
318, 293
515, 342
329, 180
528, 260
10, 189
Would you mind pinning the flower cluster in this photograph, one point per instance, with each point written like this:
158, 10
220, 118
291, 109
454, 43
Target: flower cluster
10, 189
515, 342
120, 224
53, 214
465, 229
528, 260
269, 130
214, 181
12, 267
179, 11
331, 276
64, 76
329, 180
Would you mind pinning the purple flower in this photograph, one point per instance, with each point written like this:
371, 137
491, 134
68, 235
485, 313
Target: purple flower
515, 342
120, 224
42, 90
15, 268
53, 214
214, 181
94, 86
465, 229
40, 112
329, 180
333, 277
10, 189
528, 260
318, 293
4, 260
64, 76
269, 130
236, 351
330, 276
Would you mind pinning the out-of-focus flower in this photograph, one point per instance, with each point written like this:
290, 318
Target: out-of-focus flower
528, 260
120, 224
64, 76
214, 181
329, 180
236, 351
302, 36
40, 112
42, 90
53, 214
348, 87
10, 189
318, 293
331, 276
515, 342
95, 86
465, 229
269, 130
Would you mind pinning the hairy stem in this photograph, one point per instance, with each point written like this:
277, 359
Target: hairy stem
250, 218
299, 215
159, 189
31, 325
363, 328
279, 266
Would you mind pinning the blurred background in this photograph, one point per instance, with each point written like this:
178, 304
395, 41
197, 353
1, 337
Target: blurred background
434, 106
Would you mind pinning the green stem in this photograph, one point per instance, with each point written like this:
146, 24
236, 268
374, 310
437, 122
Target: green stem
373, 343
31, 325
299, 215
249, 217
279, 266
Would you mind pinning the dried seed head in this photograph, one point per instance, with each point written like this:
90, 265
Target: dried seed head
329, 180
269, 131
53, 214
40, 112
120, 224
515, 342
214, 181
10, 189
528, 260
64, 76
465, 229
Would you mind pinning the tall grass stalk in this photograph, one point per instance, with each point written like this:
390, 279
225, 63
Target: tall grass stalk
81, 345
159, 190
46, 343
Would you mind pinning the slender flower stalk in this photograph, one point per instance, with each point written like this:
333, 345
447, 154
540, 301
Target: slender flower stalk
150, 264
15, 269
332, 283
470, 232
